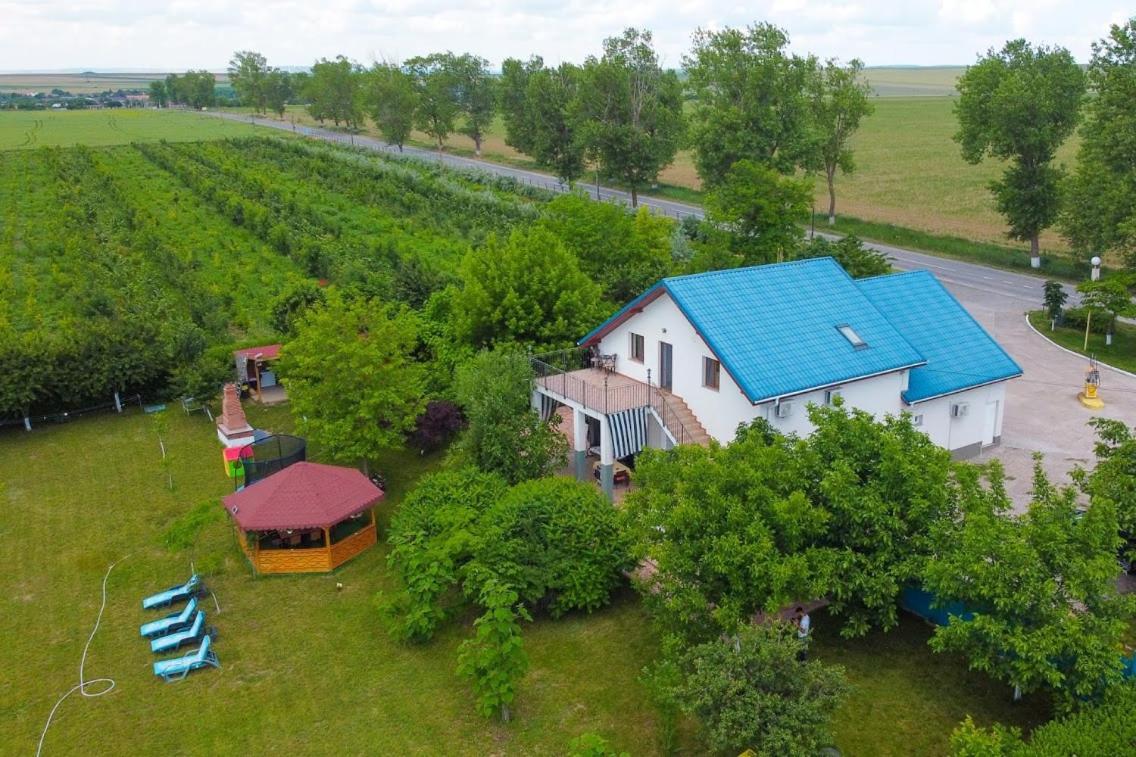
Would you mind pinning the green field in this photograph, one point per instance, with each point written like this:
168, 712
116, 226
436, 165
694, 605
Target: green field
311, 667
21, 130
83, 83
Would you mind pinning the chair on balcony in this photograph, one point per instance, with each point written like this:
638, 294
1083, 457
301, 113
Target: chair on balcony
604, 362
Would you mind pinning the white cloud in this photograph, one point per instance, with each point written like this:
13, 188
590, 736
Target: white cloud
180, 34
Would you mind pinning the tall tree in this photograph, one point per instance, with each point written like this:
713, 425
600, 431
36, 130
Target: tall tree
757, 213
334, 91
513, 95
555, 139
476, 93
438, 106
199, 89
1100, 212
751, 100
248, 73
527, 289
631, 111
771, 520
277, 91
1019, 104
158, 95
391, 100
622, 252
1041, 587
839, 103
351, 380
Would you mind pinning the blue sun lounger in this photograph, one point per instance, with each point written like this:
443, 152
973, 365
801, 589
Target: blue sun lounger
172, 641
179, 667
173, 622
173, 594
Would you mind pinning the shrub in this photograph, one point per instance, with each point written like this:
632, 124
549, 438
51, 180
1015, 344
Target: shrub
557, 541
1074, 318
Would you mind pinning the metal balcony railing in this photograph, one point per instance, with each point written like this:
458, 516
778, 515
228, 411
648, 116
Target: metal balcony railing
589, 379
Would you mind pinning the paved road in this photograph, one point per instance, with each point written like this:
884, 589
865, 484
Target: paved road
1022, 289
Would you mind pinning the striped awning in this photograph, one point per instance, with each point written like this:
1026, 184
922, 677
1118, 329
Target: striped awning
628, 431
547, 406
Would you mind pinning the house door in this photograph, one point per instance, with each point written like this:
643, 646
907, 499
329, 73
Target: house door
990, 424
666, 366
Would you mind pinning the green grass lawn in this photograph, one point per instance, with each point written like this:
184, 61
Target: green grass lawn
310, 667
906, 700
31, 129
1120, 354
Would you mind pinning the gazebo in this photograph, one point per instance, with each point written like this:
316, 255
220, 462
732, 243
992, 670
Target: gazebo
308, 518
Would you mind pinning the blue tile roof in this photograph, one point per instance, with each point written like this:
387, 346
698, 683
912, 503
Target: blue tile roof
960, 354
774, 327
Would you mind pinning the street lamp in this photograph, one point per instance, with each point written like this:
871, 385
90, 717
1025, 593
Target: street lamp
1096, 262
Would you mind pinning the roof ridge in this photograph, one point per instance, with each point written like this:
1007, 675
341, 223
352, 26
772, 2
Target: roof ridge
739, 269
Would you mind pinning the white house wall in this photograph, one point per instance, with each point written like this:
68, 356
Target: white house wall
964, 436
878, 395
718, 410
721, 410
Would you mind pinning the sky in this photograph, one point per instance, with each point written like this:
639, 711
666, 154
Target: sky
156, 35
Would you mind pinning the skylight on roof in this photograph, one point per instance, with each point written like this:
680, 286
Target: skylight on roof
850, 334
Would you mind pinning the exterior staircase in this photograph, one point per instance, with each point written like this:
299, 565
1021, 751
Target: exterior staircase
678, 418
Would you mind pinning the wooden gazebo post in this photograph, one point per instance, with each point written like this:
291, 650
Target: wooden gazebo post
327, 543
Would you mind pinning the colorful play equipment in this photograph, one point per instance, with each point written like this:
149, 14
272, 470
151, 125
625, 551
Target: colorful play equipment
1089, 396
234, 458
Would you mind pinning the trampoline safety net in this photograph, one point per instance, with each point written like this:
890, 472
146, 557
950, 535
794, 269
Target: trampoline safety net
271, 455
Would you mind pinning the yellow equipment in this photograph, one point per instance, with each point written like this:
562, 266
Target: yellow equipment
1089, 397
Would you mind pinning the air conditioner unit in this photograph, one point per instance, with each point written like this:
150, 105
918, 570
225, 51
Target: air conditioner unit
784, 409
960, 409
831, 396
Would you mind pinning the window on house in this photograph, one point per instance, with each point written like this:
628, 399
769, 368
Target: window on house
711, 372
917, 420
638, 351
850, 334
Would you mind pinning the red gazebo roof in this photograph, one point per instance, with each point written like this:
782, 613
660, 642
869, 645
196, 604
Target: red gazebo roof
267, 352
303, 495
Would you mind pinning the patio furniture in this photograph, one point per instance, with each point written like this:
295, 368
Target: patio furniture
173, 594
604, 362
173, 622
172, 641
180, 667
620, 473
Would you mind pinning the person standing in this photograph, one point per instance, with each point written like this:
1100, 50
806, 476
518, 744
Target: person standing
804, 626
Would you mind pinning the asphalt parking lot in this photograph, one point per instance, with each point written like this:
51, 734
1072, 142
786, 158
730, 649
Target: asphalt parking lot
1042, 411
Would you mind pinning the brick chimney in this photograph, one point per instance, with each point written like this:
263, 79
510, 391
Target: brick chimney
233, 428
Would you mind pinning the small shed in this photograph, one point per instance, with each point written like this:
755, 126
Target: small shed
308, 518
255, 370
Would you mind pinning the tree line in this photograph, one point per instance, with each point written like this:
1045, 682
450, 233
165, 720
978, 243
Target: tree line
744, 98
621, 112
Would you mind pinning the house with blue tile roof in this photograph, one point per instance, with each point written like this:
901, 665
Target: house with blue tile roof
695, 356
